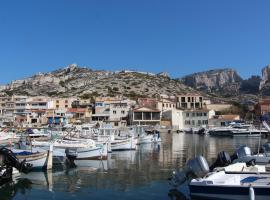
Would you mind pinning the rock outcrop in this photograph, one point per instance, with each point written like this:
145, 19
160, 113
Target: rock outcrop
225, 81
82, 81
265, 82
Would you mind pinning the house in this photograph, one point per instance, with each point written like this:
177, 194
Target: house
79, 115
195, 118
145, 116
112, 110
166, 104
62, 103
263, 106
56, 116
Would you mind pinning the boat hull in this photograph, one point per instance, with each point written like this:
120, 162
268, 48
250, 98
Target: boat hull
122, 145
38, 160
227, 192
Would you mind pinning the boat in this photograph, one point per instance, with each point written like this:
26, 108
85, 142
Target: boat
233, 182
38, 159
123, 144
10, 165
144, 136
77, 149
233, 131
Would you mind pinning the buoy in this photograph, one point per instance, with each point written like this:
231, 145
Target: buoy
251, 193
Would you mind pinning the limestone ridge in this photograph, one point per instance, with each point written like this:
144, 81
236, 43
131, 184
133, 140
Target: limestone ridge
82, 81
265, 82
214, 81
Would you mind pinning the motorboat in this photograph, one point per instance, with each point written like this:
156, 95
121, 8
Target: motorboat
232, 182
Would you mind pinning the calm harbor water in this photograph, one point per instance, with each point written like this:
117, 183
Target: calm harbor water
140, 174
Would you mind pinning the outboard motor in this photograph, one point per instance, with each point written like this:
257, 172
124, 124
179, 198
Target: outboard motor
265, 148
243, 151
195, 168
223, 160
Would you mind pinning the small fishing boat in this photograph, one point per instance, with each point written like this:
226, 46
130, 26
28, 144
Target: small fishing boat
150, 136
38, 160
123, 144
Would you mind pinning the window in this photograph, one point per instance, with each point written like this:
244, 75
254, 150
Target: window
146, 116
123, 112
66, 101
155, 116
183, 99
205, 122
57, 101
187, 122
57, 106
193, 114
193, 122
163, 105
137, 116
114, 112
188, 99
115, 123
66, 106
99, 104
199, 122
204, 114
187, 114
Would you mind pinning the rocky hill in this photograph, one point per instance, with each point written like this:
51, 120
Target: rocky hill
82, 81
225, 81
265, 82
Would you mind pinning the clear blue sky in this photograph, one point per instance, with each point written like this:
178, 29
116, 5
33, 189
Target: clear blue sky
180, 37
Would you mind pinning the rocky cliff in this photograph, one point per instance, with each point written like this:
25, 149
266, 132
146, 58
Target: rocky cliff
265, 82
215, 81
82, 81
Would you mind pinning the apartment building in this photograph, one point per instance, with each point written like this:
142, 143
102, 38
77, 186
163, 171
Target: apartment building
189, 101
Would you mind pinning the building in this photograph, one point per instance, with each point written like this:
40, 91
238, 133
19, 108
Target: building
56, 116
166, 104
145, 116
112, 110
263, 106
175, 117
79, 115
118, 113
189, 101
195, 118
62, 103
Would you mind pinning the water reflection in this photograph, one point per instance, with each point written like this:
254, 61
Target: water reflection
140, 174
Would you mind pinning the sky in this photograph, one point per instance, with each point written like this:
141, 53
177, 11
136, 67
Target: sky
176, 36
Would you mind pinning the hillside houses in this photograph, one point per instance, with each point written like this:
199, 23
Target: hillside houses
178, 112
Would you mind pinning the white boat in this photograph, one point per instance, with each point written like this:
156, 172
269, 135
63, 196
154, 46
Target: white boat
145, 137
80, 150
124, 144
232, 186
234, 182
38, 160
